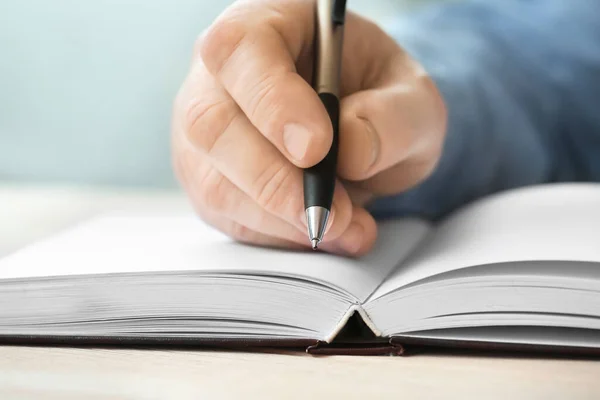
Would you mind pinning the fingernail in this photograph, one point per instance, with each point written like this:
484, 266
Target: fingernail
375, 145
351, 240
330, 220
296, 139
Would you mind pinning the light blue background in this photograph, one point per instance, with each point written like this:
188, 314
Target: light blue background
86, 87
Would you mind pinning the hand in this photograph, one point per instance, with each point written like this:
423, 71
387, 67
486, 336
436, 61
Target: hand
246, 121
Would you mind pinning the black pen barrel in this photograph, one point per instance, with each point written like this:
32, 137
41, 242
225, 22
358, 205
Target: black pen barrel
319, 180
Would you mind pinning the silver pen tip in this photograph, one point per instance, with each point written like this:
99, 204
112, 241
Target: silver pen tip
316, 219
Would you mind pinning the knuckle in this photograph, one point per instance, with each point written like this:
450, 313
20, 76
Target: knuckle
240, 233
260, 93
436, 104
206, 120
182, 162
432, 159
273, 188
436, 150
266, 97
219, 43
212, 192
420, 171
419, 168
199, 43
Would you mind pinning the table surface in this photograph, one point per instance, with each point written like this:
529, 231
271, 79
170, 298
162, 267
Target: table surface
28, 214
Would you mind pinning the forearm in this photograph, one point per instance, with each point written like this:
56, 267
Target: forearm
503, 74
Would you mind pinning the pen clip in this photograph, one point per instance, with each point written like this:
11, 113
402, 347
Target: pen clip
338, 14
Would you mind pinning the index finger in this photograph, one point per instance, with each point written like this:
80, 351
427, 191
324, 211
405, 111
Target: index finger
252, 51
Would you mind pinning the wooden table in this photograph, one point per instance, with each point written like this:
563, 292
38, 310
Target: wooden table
28, 214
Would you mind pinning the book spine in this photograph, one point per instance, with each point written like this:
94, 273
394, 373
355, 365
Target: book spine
356, 308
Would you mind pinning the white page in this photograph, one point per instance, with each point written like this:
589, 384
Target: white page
544, 223
180, 242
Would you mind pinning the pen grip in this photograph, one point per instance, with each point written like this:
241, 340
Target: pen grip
319, 180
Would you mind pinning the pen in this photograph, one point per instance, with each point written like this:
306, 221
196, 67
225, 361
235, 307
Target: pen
319, 180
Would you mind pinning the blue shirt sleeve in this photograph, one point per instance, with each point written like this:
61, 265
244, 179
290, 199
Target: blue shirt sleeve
521, 80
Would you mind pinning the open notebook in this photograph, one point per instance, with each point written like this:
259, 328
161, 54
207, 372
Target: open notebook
518, 269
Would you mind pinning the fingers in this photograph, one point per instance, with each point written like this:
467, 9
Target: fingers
350, 246
252, 50
359, 238
212, 193
397, 128
221, 131
243, 234
230, 210
222, 134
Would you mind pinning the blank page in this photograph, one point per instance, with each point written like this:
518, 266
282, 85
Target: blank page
126, 243
543, 223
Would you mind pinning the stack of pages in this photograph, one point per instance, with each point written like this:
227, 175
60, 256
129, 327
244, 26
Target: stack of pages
519, 269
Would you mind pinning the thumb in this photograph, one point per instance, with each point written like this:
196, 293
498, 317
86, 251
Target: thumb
383, 129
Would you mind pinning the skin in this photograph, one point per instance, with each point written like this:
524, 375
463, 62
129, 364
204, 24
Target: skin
245, 123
